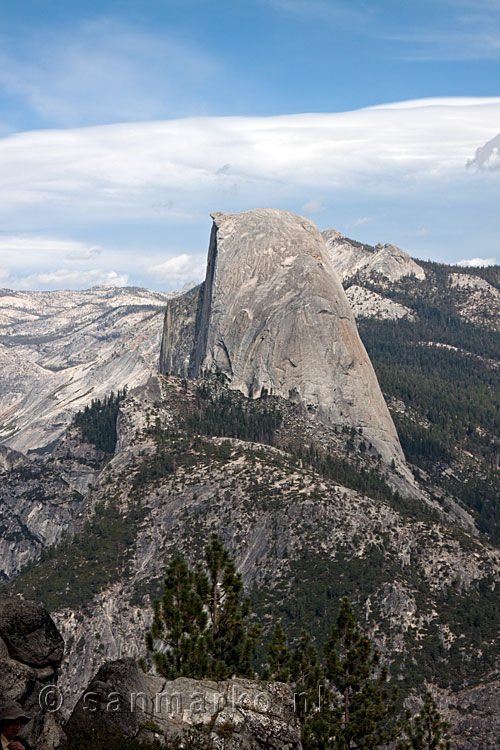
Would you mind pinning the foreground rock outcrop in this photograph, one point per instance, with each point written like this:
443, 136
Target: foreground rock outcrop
235, 714
273, 317
31, 650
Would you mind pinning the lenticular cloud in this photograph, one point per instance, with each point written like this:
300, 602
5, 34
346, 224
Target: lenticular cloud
130, 168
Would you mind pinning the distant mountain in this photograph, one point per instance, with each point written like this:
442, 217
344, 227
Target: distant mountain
354, 259
439, 368
59, 350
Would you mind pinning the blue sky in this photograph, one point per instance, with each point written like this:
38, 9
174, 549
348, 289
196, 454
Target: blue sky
104, 180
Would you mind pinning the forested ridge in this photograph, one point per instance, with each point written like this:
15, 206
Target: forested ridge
441, 376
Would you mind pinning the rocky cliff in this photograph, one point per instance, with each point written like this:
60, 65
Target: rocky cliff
272, 316
304, 530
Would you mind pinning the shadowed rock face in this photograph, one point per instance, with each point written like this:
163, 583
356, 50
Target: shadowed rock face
31, 649
272, 315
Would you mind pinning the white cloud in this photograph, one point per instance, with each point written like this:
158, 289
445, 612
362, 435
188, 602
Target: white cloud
181, 268
475, 262
135, 191
65, 278
363, 220
487, 157
125, 170
32, 248
4, 273
314, 206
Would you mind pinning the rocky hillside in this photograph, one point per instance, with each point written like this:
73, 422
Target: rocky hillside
310, 506
439, 368
305, 525
59, 350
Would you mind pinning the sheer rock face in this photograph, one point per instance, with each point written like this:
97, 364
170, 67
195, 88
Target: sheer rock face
272, 315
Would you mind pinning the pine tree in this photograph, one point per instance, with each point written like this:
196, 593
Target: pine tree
278, 657
311, 698
200, 626
231, 642
362, 706
426, 731
177, 636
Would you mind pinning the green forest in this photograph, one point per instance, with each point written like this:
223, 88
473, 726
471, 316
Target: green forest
450, 424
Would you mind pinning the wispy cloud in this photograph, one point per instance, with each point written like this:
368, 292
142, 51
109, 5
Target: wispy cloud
314, 206
460, 29
65, 278
106, 71
33, 247
450, 45
180, 268
55, 263
464, 30
362, 220
332, 11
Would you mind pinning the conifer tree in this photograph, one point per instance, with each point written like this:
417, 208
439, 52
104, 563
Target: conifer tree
362, 706
231, 642
311, 698
200, 626
177, 635
278, 657
426, 731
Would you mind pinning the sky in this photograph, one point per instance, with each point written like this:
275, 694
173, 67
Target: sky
125, 123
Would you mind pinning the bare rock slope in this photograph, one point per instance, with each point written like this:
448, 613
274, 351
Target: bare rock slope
368, 304
273, 317
351, 258
59, 350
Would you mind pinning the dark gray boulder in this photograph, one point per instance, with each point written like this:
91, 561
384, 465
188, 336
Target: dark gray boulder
29, 632
235, 714
31, 650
